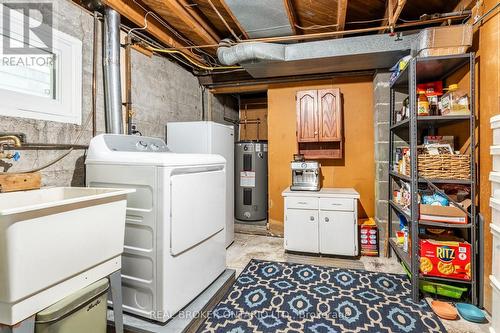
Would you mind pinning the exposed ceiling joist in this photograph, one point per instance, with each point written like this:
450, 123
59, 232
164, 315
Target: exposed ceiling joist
393, 9
397, 11
290, 11
341, 14
464, 5
231, 14
187, 6
387, 15
177, 17
136, 14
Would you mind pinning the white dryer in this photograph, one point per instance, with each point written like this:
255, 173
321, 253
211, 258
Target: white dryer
174, 233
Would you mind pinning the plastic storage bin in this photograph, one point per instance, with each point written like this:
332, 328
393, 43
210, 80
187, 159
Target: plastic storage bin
495, 230
495, 310
82, 312
495, 185
495, 155
495, 211
495, 126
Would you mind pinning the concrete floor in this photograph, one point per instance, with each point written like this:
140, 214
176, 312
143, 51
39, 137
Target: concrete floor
247, 246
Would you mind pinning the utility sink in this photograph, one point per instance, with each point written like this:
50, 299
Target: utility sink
54, 241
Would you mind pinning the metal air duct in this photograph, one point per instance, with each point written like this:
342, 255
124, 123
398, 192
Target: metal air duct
248, 52
111, 68
263, 60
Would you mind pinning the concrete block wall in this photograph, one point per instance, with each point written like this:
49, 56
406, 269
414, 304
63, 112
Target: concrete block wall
381, 97
162, 92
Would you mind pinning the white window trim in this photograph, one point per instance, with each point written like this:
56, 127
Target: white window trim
67, 106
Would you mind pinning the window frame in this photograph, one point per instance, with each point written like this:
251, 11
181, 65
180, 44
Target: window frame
66, 107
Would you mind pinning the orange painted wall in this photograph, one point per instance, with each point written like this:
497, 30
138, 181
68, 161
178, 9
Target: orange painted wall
488, 63
356, 170
487, 47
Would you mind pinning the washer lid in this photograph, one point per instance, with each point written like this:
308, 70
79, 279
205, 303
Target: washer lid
140, 150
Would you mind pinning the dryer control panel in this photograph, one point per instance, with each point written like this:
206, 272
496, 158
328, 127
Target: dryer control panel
134, 143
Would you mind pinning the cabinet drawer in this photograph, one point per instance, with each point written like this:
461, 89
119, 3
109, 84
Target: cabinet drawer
343, 204
302, 203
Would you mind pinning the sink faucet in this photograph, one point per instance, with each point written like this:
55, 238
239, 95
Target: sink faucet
4, 141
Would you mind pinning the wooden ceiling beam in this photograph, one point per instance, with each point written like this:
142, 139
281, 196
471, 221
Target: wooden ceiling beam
464, 5
201, 20
341, 14
387, 15
393, 9
136, 15
395, 14
233, 17
202, 30
292, 18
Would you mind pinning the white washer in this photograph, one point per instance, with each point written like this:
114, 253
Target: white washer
174, 233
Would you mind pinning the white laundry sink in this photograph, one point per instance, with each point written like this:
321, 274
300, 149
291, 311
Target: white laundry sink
54, 241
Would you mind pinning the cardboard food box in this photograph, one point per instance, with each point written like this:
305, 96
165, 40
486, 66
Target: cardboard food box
369, 238
444, 214
445, 259
443, 40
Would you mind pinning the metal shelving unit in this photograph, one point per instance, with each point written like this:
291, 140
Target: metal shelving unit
421, 70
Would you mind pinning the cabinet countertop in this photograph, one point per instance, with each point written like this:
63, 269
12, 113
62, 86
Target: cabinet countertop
325, 192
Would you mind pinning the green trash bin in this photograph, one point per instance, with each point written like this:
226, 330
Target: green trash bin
82, 312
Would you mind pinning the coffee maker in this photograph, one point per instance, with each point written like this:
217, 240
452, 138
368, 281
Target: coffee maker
306, 175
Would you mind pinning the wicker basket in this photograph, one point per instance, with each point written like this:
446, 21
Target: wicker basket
444, 166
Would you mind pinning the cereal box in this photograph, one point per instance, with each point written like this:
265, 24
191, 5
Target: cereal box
445, 259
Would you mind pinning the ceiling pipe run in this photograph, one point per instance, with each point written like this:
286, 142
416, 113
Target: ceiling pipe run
111, 68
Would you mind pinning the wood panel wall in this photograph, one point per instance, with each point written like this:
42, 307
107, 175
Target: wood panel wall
253, 108
356, 169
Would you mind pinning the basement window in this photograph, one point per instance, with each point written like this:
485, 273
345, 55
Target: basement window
40, 69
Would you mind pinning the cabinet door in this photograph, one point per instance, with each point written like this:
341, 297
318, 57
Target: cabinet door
301, 230
307, 116
337, 233
330, 115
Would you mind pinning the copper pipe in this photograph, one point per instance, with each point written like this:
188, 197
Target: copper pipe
346, 32
436, 20
320, 35
12, 138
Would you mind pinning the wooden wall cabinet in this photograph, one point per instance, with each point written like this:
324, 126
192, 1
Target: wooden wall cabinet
319, 123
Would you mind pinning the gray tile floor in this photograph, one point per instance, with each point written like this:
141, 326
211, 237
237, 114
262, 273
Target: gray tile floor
247, 246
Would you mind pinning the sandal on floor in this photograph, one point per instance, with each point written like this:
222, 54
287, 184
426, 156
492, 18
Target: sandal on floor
444, 310
471, 313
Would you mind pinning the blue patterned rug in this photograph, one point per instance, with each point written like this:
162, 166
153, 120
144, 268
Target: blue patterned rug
284, 297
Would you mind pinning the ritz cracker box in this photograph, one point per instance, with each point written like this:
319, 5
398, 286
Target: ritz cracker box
445, 259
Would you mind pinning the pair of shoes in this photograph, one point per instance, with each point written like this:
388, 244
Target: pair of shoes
468, 312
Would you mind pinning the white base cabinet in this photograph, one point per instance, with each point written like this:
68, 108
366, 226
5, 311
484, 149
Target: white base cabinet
323, 222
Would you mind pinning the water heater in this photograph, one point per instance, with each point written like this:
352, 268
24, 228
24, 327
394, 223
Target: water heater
251, 180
